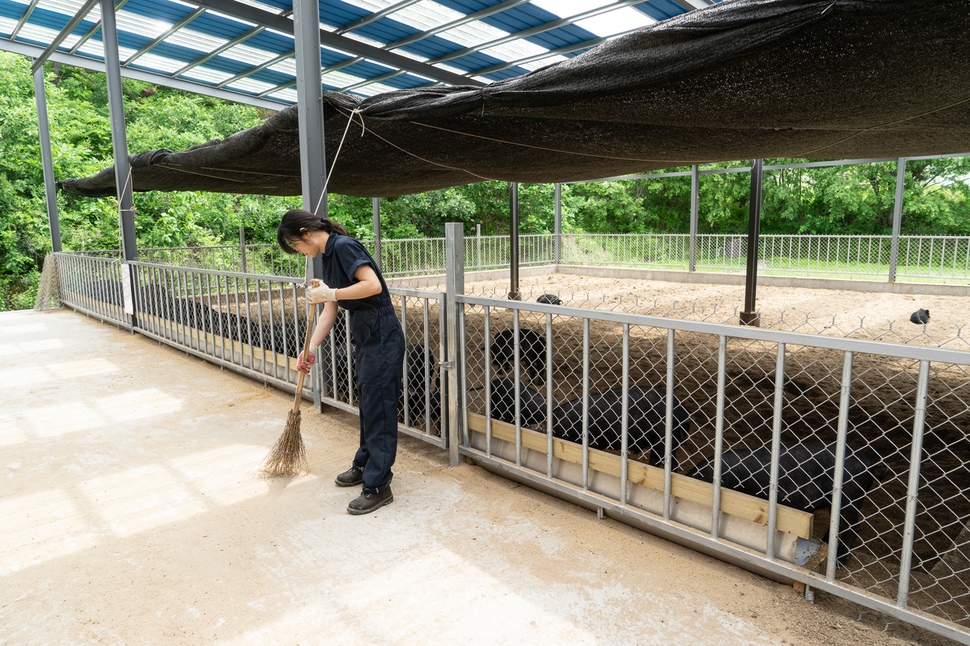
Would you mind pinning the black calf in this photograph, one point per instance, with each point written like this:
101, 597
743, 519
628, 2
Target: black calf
549, 299
532, 352
417, 385
532, 404
806, 475
646, 426
335, 362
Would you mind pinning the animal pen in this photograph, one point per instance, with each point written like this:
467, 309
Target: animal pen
836, 463
890, 532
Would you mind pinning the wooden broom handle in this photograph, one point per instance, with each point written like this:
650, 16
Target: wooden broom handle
306, 349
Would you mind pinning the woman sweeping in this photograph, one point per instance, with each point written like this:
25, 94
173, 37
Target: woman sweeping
353, 281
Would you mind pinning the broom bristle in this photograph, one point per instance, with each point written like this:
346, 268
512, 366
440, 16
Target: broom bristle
287, 458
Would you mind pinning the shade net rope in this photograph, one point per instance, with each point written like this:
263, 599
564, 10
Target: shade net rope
816, 79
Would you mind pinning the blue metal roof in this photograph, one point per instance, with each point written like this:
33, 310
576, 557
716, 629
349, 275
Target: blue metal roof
244, 48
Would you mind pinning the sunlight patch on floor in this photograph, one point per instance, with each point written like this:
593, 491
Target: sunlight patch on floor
61, 419
39, 527
46, 525
138, 404
14, 330
347, 610
29, 347
75, 416
225, 475
55, 372
13, 429
141, 499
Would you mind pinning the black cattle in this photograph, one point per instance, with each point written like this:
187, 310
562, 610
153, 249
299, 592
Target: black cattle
920, 317
806, 476
417, 386
106, 291
532, 404
335, 361
532, 352
646, 426
549, 299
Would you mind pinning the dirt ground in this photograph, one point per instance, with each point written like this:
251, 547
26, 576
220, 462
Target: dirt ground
133, 515
883, 316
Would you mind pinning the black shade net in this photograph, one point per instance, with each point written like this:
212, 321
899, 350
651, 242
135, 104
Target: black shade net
744, 79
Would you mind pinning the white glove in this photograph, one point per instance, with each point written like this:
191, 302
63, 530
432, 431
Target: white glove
319, 292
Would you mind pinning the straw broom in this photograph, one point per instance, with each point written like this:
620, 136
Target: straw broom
287, 459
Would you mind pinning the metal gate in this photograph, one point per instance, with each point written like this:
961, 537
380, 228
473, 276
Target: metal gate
255, 325
728, 438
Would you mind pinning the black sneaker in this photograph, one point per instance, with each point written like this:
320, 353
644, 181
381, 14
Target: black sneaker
351, 477
365, 503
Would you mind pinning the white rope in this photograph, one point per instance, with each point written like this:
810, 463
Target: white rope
333, 164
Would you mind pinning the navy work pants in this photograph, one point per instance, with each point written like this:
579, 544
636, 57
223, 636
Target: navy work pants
379, 355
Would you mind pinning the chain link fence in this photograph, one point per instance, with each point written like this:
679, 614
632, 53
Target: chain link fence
937, 259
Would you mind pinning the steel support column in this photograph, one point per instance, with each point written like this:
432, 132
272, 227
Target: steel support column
695, 190
119, 138
313, 158
897, 218
47, 159
514, 293
557, 239
309, 92
750, 316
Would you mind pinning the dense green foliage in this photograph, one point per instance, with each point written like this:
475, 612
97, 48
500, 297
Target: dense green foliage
833, 200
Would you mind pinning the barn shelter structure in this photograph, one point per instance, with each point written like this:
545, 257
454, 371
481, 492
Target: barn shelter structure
735, 80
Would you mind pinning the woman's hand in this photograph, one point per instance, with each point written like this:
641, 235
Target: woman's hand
320, 292
304, 365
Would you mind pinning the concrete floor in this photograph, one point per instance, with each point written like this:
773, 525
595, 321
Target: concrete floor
132, 514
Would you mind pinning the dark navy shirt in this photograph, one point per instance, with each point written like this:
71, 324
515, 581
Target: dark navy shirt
342, 257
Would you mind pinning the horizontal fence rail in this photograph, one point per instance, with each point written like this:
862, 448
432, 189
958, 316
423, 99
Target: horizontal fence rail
934, 259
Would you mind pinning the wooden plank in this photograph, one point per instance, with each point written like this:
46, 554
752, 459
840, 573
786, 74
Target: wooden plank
734, 503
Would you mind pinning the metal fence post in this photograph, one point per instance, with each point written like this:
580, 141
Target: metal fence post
897, 218
557, 239
912, 489
514, 293
376, 216
454, 285
694, 215
242, 248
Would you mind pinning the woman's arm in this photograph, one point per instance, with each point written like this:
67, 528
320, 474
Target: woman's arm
368, 285
324, 324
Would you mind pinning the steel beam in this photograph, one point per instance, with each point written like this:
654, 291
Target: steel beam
148, 77
335, 41
65, 32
